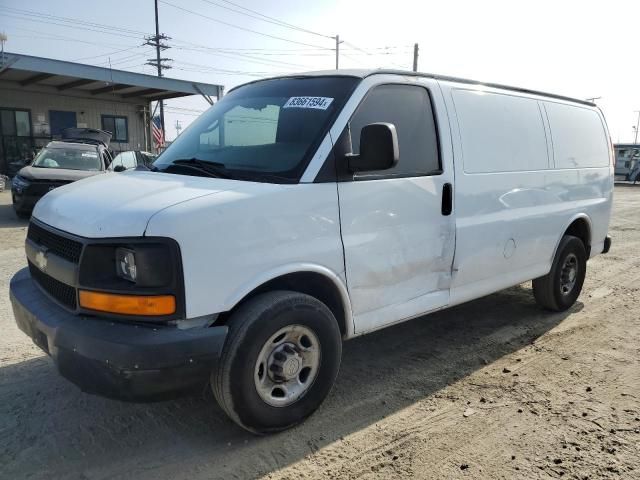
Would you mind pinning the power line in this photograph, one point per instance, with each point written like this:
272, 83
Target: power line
185, 109
370, 54
238, 26
106, 54
205, 69
121, 67
128, 58
71, 26
52, 36
266, 18
354, 59
237, 54
70, 19
203, 49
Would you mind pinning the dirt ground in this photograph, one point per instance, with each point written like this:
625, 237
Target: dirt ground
492, 389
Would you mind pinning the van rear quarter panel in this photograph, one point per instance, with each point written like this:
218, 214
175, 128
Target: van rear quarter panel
511, 215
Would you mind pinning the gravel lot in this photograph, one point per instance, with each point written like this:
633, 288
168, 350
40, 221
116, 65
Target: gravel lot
495, 388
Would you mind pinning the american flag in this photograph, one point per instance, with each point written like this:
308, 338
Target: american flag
156, 128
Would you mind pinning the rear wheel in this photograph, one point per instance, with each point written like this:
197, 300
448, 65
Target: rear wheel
280, 361
560, 288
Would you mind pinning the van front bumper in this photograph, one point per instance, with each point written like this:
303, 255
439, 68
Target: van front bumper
130, 362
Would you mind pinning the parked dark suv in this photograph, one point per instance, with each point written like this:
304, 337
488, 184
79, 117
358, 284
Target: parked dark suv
82, 152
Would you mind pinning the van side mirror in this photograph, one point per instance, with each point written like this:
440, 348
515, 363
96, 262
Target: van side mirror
378, 148
119, 168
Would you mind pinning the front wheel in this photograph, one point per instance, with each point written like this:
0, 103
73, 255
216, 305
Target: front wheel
22, 215
280, 361
560, 288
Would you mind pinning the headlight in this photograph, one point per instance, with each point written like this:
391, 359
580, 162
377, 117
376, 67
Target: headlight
126, 264
19, 183
137, 277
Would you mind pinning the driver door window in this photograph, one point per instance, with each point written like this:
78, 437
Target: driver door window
408, 108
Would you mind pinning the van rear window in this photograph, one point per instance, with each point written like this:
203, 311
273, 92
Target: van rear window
579, 137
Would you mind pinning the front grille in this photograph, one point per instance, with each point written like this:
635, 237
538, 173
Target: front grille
62, 292
41, 188
57, 244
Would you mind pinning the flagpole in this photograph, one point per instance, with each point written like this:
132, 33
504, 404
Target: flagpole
150, 127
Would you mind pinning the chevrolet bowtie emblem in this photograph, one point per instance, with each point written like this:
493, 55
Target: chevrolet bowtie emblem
41, 260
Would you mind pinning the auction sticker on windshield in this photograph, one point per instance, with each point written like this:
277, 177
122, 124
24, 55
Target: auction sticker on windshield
320, 103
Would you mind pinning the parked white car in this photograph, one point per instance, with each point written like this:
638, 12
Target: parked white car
302, 211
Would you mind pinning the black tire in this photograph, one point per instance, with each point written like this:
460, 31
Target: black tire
250, 328
550, 291
23, 215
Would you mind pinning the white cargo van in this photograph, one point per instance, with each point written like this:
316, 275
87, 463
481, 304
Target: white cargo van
302, 211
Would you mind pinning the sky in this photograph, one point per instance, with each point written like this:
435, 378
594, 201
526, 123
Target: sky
582, 49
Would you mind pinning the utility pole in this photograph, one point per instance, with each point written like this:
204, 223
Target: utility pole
178, 128
635, 140
337, 50
415, 57
160, 63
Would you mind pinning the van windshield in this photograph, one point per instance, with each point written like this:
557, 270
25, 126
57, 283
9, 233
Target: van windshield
265, 131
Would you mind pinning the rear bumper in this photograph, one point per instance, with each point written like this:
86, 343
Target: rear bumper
117, 360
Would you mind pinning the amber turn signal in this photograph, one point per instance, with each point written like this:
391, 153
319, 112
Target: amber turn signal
143, 305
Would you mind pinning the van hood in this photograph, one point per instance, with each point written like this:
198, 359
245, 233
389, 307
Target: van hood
121, 204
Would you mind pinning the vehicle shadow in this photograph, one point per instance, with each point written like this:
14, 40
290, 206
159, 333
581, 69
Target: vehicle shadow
52, 430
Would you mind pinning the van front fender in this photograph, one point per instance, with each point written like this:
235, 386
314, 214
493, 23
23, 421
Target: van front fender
337, 280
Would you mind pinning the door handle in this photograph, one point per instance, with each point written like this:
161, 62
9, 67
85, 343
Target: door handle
447, 199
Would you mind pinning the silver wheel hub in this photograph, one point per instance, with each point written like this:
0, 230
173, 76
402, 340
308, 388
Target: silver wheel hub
568, 274
287, 365
284, 363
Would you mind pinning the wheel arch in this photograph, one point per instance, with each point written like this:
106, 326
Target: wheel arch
578, 226
315, 280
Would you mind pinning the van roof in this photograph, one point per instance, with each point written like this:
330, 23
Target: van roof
364, 73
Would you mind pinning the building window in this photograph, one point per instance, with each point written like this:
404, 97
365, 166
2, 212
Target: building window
15, 122
117, 126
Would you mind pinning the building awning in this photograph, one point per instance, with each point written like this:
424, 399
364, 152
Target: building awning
26, 71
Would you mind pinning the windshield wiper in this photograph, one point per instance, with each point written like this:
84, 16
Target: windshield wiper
213, 169
267, 177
